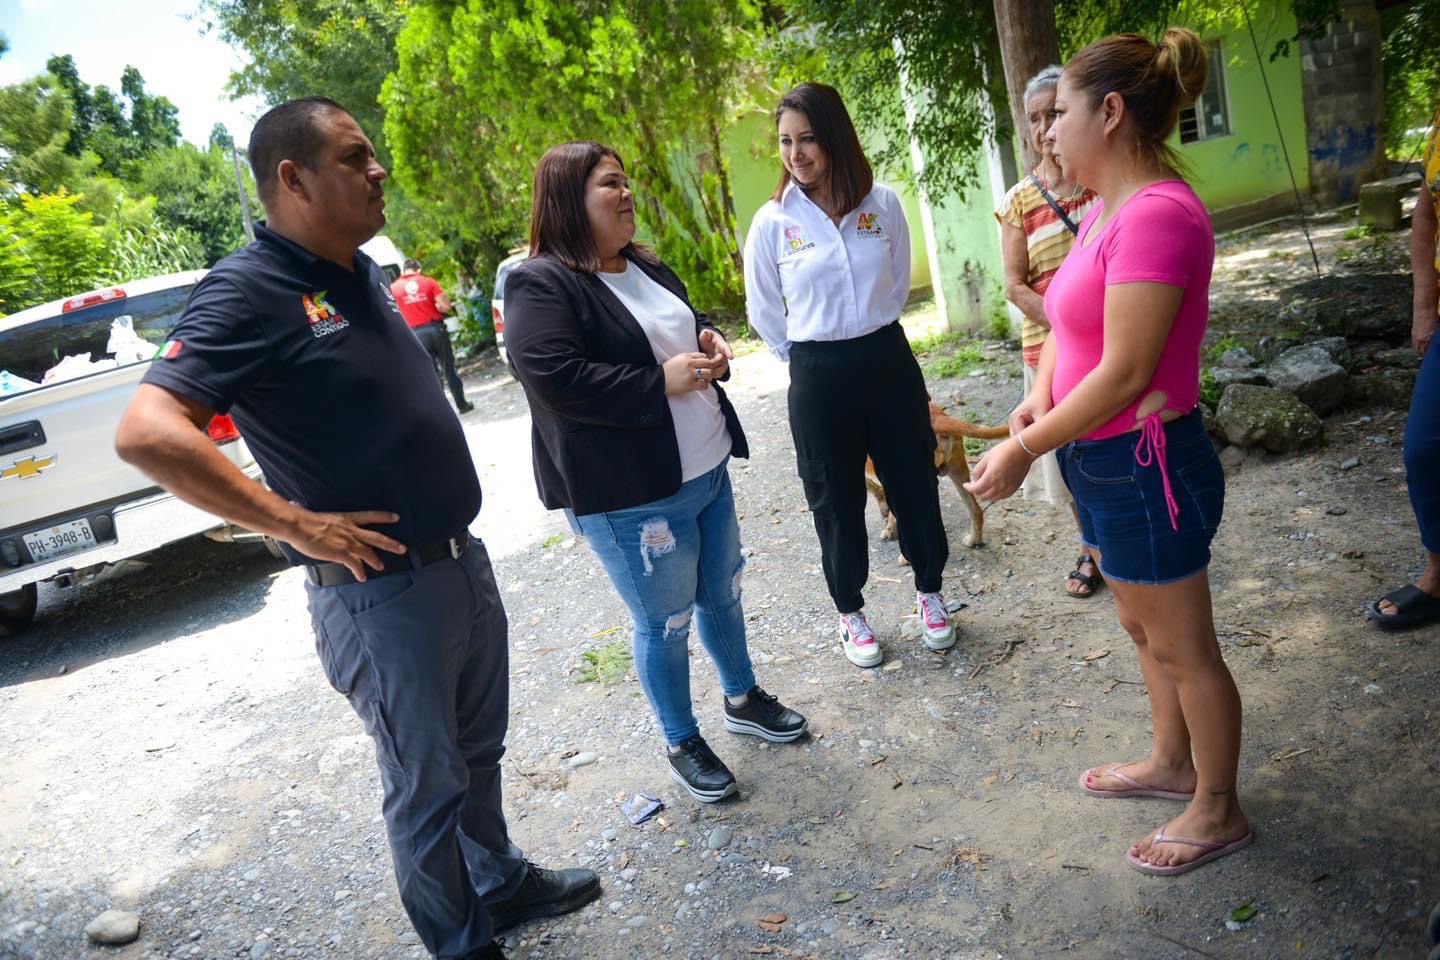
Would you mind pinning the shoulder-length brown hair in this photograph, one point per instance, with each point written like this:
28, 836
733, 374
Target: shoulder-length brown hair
559, 225
851, 178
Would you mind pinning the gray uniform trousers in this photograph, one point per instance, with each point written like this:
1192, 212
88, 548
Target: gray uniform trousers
422, 657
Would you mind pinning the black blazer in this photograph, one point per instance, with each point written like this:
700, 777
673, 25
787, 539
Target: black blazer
601, 433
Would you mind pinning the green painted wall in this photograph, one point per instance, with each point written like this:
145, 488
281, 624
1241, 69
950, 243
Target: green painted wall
1248, 164
967, 241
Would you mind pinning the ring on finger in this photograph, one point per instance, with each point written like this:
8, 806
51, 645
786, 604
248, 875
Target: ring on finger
699, 373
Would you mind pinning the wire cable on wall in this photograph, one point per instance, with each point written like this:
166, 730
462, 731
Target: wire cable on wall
1294, 186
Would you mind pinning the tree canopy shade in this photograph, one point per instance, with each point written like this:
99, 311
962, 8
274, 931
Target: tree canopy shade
483, 87
1412, 70
948, 53
342, 49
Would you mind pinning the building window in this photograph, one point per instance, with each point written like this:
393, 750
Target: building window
1210, 116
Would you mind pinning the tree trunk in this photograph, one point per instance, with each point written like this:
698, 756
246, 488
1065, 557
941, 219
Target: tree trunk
1027, 44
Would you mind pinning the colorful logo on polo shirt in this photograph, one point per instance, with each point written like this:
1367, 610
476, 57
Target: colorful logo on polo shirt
795, 239
323, 318
869, 225
171, 350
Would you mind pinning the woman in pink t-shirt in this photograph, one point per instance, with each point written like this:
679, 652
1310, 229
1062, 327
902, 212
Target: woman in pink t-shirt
1115, 398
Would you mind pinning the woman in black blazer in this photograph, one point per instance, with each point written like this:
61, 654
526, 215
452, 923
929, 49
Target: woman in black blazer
632, 436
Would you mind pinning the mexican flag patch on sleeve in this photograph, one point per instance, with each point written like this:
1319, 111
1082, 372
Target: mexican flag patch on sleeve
171, 350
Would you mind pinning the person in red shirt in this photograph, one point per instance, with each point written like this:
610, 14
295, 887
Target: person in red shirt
423, 305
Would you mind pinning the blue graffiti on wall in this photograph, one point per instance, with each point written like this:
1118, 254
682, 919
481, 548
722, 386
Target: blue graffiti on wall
1351, 150
1347, 146
1272, 164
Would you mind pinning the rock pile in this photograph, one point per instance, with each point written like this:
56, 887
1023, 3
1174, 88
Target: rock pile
1276, 400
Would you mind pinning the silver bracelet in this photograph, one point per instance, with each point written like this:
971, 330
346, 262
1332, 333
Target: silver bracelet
1024, 446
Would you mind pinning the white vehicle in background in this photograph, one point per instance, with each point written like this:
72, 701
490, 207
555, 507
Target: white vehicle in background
69, 506
386, 255
497, 303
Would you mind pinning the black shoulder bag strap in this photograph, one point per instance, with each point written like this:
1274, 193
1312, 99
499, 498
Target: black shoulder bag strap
1054, 206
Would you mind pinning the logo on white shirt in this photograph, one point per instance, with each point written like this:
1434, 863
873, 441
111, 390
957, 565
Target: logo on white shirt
795, 239
868, 225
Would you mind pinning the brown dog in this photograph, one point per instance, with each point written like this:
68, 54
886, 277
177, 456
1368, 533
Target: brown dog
950, 461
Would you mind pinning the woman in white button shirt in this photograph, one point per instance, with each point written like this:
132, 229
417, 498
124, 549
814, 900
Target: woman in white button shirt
632, 437
827, 271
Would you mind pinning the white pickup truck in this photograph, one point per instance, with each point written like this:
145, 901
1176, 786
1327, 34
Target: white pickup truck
69, 507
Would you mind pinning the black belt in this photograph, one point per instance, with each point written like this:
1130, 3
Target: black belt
334, 574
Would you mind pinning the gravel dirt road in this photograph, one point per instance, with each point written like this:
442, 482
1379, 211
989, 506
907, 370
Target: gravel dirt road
172, 748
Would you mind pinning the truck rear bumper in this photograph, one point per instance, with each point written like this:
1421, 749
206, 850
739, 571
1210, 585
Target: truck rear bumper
140, 527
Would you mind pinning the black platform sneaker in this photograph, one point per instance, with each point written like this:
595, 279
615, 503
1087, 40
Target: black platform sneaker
698, 770
764, 716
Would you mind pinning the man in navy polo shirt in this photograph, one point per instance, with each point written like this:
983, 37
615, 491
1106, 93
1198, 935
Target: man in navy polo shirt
298, 338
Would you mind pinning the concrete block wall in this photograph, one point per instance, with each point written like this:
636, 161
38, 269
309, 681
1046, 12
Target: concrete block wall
1344, 104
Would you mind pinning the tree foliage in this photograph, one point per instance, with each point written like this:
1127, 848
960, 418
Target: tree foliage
194, 192
119, 132
949, 57
68, 221
483, 87
341, 49
35, 119
1412, 70
53, 245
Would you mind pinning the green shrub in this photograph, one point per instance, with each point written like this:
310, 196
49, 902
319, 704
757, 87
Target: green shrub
958, 363
1209, 390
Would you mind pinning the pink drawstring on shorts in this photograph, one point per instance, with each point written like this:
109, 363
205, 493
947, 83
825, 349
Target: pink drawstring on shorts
1151, 449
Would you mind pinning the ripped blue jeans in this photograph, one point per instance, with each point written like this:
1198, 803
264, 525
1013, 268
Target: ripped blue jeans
675, 561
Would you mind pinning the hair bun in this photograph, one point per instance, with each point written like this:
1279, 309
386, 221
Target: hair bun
1181, 57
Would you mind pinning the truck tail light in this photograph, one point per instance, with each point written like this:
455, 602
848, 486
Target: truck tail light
90, 299
221, 429
499, 319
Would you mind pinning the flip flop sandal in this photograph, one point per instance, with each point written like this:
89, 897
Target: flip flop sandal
1133, 788
1413, 608
1213, 851
1092, 582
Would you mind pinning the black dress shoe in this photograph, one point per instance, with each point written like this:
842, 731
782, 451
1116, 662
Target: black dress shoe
465, 407
544, 893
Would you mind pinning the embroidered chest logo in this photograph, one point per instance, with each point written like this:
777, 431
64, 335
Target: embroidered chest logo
390, 300
869, 226
795, 239
323, 318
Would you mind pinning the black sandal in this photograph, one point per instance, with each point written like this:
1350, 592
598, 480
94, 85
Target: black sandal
1413, 608
1091, 582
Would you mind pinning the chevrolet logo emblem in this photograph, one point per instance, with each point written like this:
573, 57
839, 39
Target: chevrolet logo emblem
29, 467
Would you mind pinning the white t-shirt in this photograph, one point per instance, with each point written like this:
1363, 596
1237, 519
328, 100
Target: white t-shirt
808, 279
700, 427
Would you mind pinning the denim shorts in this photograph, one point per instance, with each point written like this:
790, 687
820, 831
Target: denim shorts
1123, 509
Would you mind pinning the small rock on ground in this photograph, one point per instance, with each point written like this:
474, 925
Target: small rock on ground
114, 927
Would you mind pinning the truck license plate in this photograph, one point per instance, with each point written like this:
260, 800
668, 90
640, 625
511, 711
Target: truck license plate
59, 540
